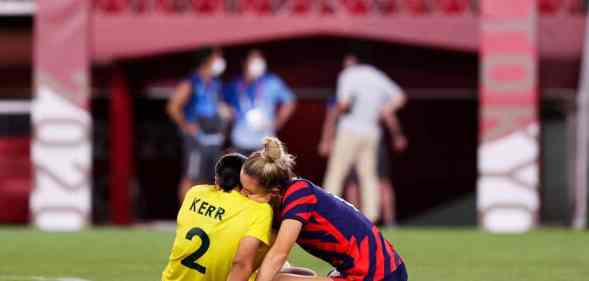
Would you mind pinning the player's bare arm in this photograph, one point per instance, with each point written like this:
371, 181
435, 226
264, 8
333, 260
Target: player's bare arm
244, 261
328, 133
394, 103
395, 129
278, 253
284, 113
175, 105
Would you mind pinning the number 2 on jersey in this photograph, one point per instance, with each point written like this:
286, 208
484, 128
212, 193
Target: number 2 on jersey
190, 261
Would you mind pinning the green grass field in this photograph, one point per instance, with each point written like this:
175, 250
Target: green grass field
107, 254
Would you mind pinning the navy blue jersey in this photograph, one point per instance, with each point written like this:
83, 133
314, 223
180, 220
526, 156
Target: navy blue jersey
336, 232
204, 100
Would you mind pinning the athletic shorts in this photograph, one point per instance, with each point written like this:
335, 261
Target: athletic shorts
200, 160
384, 159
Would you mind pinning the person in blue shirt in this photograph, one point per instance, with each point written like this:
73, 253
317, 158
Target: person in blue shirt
199, 111
262, 103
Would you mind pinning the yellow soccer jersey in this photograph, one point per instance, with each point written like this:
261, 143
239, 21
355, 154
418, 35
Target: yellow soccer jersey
211, 223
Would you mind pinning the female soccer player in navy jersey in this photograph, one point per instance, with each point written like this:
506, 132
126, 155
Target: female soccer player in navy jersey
324, 225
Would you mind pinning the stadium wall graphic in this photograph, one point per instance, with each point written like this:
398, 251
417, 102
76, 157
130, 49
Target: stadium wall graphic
507, 195
61, 148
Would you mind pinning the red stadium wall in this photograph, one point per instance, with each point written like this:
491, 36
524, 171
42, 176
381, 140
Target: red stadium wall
439, 29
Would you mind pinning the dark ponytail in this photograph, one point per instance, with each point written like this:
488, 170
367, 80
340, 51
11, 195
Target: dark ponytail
227, 171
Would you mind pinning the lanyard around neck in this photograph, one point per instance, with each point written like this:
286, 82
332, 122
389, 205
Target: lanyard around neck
245, 101
202, 88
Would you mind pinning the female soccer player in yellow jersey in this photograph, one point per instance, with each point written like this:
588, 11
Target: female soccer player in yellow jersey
219, 230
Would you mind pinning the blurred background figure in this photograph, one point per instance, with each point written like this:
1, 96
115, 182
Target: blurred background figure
398, 144
261, 101
364, 96
200, 113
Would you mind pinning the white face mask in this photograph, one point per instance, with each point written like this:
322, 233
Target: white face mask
257, 67
218, 66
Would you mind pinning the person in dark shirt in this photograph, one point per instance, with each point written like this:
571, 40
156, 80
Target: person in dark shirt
199, 111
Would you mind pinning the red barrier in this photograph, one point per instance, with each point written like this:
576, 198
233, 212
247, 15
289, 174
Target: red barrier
549, 6
15, 179
121, 150
387, 7
208, 6
452, 6
262, 7
112, 5
575, 6
301, 7
358, 7
14, 201
415, 7
166, 6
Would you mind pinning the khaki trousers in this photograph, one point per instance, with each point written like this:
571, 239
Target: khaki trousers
351, 149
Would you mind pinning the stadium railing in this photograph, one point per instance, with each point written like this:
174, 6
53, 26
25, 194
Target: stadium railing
323, 7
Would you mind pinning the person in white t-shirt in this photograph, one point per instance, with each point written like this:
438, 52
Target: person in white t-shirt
365, 95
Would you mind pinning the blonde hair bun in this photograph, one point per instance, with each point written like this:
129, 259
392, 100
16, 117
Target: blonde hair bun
273, 149
272, 165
